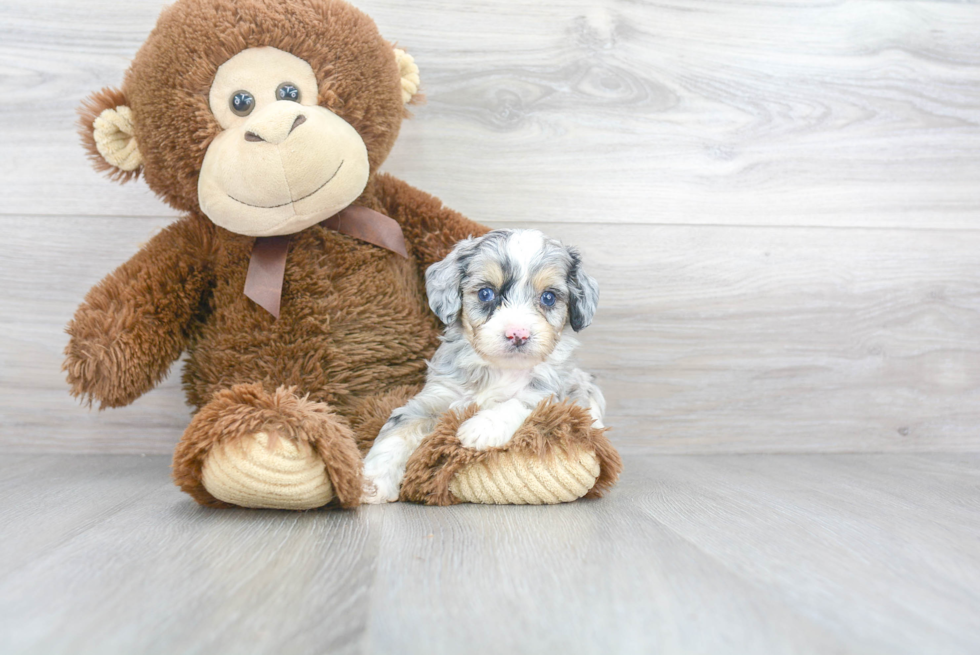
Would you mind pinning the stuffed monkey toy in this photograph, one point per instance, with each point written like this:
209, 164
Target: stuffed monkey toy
294, 280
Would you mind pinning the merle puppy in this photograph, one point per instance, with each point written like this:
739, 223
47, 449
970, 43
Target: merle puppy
505, 298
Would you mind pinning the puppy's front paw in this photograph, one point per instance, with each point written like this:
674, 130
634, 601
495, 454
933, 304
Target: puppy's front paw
485, 430
379, 490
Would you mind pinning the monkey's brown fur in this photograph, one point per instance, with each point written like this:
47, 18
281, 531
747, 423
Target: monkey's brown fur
354, 331
247, 409
551, 426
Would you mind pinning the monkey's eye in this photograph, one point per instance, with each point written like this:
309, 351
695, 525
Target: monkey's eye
242, 103
287, 91
547, 299
485, 294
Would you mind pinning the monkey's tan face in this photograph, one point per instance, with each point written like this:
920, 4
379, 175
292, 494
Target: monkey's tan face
282, 162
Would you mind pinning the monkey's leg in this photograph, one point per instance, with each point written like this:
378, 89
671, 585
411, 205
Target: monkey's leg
252, 448
556, 456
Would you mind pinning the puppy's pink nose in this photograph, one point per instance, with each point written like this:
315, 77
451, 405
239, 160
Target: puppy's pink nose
517, 335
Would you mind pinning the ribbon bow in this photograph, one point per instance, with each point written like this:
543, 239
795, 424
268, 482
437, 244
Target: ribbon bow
267, 265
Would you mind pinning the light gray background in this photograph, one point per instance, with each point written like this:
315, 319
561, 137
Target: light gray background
779, 200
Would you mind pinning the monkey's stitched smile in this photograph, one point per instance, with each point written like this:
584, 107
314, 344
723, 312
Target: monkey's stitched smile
294, 200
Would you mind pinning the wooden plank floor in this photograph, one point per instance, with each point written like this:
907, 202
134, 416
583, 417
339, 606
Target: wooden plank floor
707, 554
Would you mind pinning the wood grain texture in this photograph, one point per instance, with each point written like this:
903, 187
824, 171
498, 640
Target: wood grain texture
860, 113
715, 554
706, 340
786, 193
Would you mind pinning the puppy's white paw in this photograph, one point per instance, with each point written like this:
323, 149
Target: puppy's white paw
382, 489
485, 430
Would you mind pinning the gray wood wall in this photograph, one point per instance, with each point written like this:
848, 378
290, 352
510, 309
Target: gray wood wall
780, 201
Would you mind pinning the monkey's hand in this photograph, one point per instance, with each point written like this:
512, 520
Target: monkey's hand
110, 355
135, 323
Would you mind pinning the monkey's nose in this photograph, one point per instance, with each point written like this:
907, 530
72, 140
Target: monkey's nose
275, 130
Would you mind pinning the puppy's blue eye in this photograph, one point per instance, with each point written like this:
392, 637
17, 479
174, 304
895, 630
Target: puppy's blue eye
485, 294
547, 299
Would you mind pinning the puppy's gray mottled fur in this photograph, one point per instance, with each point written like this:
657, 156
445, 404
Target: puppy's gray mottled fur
505, 298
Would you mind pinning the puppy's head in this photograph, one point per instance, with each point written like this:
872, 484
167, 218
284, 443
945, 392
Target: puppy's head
512, 291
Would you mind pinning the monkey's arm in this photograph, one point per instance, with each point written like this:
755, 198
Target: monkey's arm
136, 321
431, 229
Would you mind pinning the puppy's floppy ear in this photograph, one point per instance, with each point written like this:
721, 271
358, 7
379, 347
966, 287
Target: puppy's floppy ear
443, 280
583, 294
105, 124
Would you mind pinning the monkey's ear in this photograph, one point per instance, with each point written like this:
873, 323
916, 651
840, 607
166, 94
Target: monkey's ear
409, 71
106, 126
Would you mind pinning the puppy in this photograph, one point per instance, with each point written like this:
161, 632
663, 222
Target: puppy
506, 298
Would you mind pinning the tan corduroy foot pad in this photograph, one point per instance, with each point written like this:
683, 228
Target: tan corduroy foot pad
247, 473
557, 456
521, 479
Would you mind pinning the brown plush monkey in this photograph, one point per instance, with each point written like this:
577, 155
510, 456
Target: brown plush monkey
295, 278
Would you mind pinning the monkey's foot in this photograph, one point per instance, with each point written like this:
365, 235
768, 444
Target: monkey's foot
557, 456
265, 470
251, 448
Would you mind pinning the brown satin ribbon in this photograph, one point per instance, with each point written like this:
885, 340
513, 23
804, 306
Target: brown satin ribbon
266, 270
267, 265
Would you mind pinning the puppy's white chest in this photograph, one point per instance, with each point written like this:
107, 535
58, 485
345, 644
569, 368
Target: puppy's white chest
501, 387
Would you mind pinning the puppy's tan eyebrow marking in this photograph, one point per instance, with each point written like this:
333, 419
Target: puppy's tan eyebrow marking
491, 273
547, 276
